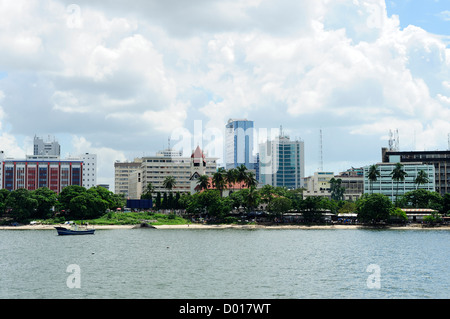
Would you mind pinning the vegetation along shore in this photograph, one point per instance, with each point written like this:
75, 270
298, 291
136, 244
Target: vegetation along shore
251, 207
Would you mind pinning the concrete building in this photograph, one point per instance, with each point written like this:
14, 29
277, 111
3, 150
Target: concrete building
439, 159
30, 174
282, 162
387, 186
49, 147
132, 178
89, 168
122, 171
352, 180
318, 184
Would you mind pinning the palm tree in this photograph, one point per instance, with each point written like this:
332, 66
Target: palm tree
219, 180
398, 174
241, 175
373, 175
169, 183
250, 180
422, 178
231, 176
149, 190
202, 183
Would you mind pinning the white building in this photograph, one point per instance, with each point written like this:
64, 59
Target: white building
154, 170
89, 168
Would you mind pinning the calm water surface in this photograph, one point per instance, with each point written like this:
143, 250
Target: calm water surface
226, 263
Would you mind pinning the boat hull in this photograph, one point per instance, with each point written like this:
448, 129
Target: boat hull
64, 231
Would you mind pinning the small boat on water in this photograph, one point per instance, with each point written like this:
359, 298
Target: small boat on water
74, 231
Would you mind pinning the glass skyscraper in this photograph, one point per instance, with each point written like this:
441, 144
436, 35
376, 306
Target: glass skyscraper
282, 163
239, 144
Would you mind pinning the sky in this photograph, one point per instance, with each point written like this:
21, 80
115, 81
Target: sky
124, 79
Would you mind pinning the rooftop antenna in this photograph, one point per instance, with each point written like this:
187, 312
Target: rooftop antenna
448, 142
320, 152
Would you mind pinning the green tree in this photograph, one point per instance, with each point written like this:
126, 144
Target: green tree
66, 196
250, 180
148, 192
337, 191
46, 201
219, 180
421, 178
373, 175
231, 176
4, 193
169, 183
398, 175
398, 215
312, 208
252, 199
347, 208
202, 183
241, 174
165, 202
87, 205
21, 204
373, 208
280, 205
158, 203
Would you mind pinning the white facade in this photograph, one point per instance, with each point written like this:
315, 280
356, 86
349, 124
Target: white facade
154, 169
89, 169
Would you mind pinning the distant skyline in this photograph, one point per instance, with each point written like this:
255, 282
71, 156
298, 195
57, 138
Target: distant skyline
119, 78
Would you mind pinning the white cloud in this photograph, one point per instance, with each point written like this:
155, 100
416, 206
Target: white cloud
123, 76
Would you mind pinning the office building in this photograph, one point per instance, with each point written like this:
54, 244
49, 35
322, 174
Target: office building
439, 159
239, 144
386, 185
282, 162
31, 174
154, 170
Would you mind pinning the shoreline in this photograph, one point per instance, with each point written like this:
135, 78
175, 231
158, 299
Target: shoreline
231, 226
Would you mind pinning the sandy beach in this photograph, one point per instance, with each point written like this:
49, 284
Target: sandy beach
203, 226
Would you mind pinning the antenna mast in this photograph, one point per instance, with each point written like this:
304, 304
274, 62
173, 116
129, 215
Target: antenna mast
320, 152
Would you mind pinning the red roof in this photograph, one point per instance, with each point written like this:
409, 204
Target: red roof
198, 155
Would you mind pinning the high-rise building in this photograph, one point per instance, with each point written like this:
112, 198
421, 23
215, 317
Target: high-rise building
48, 147
282, 162
239, 144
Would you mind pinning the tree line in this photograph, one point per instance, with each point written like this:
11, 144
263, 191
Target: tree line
276, 201
73, 202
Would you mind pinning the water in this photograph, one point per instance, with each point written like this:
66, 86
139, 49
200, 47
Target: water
226, 263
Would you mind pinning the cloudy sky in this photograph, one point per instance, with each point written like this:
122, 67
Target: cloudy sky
119, 78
